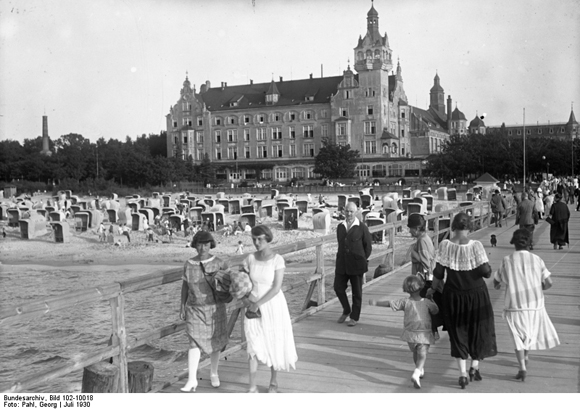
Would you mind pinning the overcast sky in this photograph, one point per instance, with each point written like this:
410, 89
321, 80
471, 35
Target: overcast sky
113, 68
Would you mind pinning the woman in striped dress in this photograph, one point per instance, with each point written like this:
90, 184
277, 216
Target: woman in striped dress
526, 277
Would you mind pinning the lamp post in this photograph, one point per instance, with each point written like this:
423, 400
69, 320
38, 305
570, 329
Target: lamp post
547, 168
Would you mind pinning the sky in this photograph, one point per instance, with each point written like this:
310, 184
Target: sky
113, 68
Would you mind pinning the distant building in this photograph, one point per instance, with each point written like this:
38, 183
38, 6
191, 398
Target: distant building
277, 128
559, 130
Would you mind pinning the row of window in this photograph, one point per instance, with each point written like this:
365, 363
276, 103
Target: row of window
529, 131
277, 151
256, 119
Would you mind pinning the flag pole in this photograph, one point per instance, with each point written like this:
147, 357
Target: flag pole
524, 149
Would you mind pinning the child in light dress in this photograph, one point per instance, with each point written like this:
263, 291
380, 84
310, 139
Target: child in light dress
417, 322
526, 278
240, 248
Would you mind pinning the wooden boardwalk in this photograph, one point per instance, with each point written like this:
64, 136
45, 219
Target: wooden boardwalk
370, 357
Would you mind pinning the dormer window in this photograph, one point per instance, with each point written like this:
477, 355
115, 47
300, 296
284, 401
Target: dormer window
309, 98
271, 99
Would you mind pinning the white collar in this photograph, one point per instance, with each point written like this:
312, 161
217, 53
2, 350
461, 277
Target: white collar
356, 222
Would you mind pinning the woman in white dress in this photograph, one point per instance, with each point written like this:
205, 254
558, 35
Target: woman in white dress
269, 338
526, 278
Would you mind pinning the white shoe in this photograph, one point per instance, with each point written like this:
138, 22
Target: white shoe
416, 380
215, 381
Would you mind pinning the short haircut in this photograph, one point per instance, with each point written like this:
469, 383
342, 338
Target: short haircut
461, 221
260, 229
203, 237
417, 221
496, 191
521, 238
413, 284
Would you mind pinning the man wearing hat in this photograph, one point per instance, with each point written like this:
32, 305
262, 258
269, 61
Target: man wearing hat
354, 248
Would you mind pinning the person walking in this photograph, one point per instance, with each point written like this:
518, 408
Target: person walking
205, 315
526, 216
417, 333
467, 308
354, 248
559, 215
498, 207
267, 324
526, 277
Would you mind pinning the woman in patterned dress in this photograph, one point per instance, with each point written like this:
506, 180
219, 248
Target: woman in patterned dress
205, 316
467, 309
526, 276
270, 337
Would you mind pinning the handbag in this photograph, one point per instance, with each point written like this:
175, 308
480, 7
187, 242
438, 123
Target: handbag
550, 220
252, 314
218, 283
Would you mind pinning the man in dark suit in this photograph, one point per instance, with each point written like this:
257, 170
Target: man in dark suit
354, 248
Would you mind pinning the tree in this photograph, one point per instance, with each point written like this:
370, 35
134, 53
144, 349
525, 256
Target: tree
206, 170
335, 161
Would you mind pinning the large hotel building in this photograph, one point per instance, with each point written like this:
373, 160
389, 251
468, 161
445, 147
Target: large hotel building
274, 130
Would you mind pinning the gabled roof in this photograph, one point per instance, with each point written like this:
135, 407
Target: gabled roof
273, 89
426, 118
254, 95
387, 135
486, 177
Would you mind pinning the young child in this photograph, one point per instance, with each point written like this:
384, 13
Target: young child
417, 322
422, 254
240, 248
526, 277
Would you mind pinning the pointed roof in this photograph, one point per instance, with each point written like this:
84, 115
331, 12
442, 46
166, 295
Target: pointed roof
387, 135
457, 115
372, 12
572, 119
436, 84
486, 178
476, 122
273, 89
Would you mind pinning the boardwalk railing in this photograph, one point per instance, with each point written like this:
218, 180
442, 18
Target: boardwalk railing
115, 294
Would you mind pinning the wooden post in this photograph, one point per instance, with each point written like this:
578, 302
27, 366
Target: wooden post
120, 339
320, 270
308, 295
389, 260
101, 377
140, 376
436, 230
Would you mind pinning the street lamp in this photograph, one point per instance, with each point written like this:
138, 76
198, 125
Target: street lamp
547, 168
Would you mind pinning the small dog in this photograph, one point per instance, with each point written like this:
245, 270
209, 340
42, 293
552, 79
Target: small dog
493, 240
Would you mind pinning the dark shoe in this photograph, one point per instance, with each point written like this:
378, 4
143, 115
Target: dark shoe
463, 382
521, 375
561, 248
500, 225
352, 323
342, 318
474, 374
555, 247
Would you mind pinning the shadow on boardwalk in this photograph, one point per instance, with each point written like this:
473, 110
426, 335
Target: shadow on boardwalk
370, 357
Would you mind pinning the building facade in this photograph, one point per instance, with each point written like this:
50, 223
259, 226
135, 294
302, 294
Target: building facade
274, 130
559, 130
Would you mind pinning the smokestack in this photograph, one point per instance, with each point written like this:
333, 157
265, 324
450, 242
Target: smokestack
281, 79
45, 150
310, 76
321, 70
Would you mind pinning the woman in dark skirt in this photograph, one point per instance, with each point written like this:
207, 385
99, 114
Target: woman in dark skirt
560, 214
467, 310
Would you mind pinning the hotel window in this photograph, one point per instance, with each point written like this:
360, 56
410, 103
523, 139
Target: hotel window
218, 136
292, 132
403, 115
341, 129
324, 113
519, 131
529, 132
186, 121
370, 110
185, 106
347, 94
232, 152
246, 119
185, 139
325, 130
562, 130
260, 119
343, 112
276, 117
262, 151
218, 121
307, 115
277, 151
539, 131
261, 134
232, 135
551, 130
370, 147
246, 135
281, 173
402, 133
199, 121
231, 120
247, 152
292, 151
292, 116
175, 140
341, 143
370, 128
218, 153
200, 153
308, 131
308, 149
276, 133
509, 133
403, 151
175, 124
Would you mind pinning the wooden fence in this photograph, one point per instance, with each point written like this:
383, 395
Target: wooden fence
115, 294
